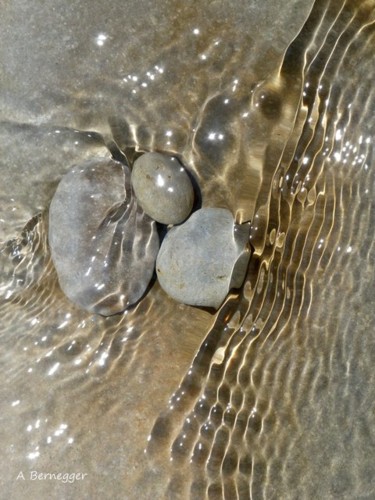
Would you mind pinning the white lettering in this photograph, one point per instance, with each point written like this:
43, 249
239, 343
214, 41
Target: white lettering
64, 477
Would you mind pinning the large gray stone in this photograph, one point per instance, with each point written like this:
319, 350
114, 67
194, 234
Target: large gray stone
103, 245
202, 259
163, 188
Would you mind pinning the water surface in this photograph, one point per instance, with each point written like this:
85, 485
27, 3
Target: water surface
272, 109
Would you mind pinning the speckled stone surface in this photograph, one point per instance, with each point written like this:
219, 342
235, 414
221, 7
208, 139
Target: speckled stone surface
162, 187
103, 245
202, 259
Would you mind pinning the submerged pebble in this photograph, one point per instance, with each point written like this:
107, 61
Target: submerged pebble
102, 243
202, 259
163, 188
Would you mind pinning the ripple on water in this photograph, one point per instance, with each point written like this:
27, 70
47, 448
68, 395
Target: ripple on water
272, 391
321, 183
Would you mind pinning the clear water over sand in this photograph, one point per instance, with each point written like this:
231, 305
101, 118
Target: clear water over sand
272, 108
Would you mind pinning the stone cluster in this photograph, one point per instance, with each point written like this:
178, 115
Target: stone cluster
104, 240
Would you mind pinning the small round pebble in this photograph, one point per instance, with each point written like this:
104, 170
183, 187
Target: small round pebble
102, 243
202, 259
163, 188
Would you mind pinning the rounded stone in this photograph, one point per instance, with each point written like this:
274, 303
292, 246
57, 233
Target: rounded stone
202, 259
102, 243
163, 188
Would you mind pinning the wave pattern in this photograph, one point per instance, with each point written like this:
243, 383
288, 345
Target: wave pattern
272, 396
233, 427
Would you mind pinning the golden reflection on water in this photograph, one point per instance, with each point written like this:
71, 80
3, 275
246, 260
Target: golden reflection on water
267, 398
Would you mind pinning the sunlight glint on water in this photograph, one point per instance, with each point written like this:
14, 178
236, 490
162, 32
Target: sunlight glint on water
272, 396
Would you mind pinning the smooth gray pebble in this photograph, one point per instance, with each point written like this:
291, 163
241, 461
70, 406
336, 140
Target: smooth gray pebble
162, 187
102, 243
202, 259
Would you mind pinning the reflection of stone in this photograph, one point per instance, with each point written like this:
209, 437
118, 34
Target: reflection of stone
202, 259
103, 245
163, 188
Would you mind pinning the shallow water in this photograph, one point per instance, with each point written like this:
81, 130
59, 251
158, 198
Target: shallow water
273, 112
